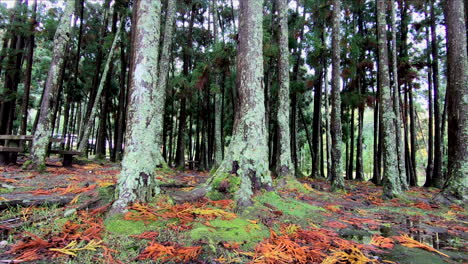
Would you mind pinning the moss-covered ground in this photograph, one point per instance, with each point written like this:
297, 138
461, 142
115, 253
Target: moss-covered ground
299, 222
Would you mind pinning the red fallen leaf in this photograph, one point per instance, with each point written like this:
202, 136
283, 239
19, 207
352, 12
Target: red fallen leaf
335, 224
382, 242
150, 235
224, 204
231, 245
333, 208
168, 251
457, 208
423, 205
101, 210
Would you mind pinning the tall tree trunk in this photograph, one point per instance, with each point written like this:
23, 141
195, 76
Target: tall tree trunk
165, 57
218, 142
457, 91
27, 77
396, 102
335, 123
86, 127
137, 178
391, 183
351, 148
413, 179
187, 58
42, 133
316, 125
247, 155
120, 122
430, 142
101, 141
437, 177
285, 167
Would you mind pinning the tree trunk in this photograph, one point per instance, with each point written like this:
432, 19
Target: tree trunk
180, 151
42, 133
247, 155
413, 179
396, 103
335, 123
391, 183
69, 99
164, 59
457, 91
284, 167
27, 77
142, 153
218, 142
430, 141
86, 127
120, 122
437, 177
316, 125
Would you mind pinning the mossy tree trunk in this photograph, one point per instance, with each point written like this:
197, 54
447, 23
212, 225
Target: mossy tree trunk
43, 132
457, 100
390, 178
247, 155
164, 63
218, 142
284, 165
437, 177
335, 122
142, 153
396, 103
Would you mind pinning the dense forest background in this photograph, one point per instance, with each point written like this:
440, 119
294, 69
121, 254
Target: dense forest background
92, 97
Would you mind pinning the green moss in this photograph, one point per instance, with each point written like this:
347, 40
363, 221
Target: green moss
406, 255
289, 206
238, 230
292, 184
232, 182
118, 225
5, 190
107, 193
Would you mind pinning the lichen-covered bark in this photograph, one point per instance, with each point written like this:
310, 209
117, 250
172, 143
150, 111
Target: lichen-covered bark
284, 163
218, 145
457, 108
247, 155
396, 105
390, 177
87, 127
335, 122
164, 63
142, 153
42, 132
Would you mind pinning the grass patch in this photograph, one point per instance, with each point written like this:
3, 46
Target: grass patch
118, 225
289, 206
237, 230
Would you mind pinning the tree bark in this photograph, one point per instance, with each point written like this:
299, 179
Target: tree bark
27, 77
42, 133
247, 155
437, 177
284, 167
457, 104
390, 179
335, 123
396, 102
142, 153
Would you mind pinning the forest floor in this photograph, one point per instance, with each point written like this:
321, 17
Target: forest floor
59, 217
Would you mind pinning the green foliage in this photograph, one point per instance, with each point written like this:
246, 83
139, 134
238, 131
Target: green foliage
117, 225
288, 206
237, 230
